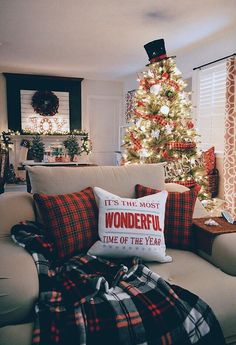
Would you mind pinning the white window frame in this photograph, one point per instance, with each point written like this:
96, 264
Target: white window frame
212, 136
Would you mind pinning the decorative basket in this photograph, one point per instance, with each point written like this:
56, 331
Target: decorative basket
213, 179
180, 145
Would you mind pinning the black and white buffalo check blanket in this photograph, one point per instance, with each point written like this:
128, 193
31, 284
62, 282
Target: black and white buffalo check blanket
88, 300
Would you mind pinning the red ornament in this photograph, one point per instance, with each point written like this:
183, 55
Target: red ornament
165, 154
190, 124
140, 104
174, 85
165, 75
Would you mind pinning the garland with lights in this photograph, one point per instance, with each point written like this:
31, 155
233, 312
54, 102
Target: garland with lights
45, 103
85, 142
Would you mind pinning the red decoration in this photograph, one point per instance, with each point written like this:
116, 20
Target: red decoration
165, 154
174, 84
209, 160
190, 124
180, 145
165, 75
158, 58
158, 118
136, 142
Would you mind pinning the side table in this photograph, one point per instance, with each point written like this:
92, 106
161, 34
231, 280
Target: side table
204, 235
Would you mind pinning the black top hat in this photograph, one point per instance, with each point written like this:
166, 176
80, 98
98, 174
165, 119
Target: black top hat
156, 50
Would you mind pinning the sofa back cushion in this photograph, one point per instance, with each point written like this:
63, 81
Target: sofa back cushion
119, 180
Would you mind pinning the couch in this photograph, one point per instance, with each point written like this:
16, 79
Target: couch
212, 277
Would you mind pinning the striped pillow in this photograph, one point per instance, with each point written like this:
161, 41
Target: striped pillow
72, 220
178, 216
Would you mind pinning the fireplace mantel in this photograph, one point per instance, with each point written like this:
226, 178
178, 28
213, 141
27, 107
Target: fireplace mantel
18, 154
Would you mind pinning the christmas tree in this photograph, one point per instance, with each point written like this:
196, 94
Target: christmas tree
161, 128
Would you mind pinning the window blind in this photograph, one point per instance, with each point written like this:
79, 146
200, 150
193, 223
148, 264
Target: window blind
211, 106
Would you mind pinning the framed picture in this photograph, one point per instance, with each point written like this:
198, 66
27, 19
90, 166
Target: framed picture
18, 84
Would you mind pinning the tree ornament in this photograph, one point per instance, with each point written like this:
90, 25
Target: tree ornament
190, 125
165, 154
45, 103
155, 89
155, 133
168, 129
165, 75
169, 94
143, 153
165, 110
150, 74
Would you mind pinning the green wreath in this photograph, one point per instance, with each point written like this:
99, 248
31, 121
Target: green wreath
45, 103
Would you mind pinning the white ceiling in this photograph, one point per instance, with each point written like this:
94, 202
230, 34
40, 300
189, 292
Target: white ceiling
103, 39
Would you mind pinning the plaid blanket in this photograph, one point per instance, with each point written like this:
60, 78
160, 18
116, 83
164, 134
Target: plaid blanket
88, 300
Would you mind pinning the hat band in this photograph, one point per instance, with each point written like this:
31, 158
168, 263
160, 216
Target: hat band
155, 59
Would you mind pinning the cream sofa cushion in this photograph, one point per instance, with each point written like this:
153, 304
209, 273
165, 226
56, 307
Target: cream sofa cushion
119, 180
207, 281
223, 253
19, 290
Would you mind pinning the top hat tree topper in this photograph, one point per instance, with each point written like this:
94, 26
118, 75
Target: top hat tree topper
156, 51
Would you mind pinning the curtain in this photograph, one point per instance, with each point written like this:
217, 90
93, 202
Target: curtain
229, 170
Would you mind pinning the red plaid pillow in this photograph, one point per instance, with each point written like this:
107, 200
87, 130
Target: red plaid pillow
72, 220
178, 216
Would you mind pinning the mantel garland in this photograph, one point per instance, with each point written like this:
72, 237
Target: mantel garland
45, 103
86, 144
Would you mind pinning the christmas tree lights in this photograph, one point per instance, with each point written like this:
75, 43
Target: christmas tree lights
161, 128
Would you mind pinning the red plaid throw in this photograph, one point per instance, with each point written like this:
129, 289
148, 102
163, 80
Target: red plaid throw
71, 219
178, 216
88, 300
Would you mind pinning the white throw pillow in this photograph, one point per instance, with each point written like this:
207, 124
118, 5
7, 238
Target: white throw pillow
131, 227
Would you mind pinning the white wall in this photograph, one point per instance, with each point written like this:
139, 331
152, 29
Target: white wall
102, 109
216, 47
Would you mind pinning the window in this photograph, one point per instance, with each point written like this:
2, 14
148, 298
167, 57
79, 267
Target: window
210, 105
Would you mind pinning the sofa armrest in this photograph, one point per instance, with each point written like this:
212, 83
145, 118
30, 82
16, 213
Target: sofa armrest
19, 285
223, 253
